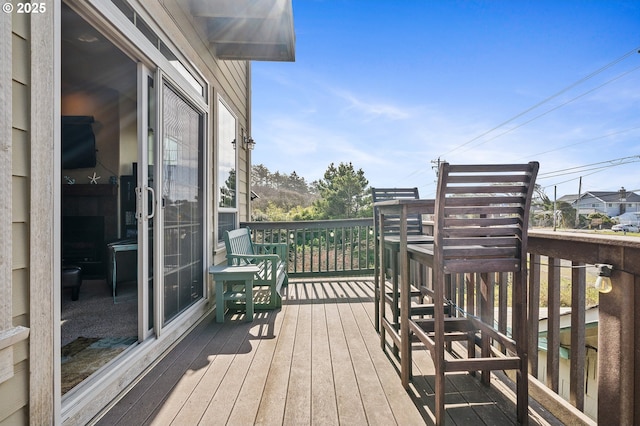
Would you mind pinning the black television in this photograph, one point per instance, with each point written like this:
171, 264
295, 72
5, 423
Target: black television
78, 142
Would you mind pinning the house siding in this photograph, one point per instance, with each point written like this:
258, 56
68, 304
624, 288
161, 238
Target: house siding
14, 384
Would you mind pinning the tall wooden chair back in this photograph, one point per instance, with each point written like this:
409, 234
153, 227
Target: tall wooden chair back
392, 222
480, 227
391, 228
482, 216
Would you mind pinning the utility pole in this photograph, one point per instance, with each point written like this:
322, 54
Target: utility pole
436, 165
578, 203
555, 196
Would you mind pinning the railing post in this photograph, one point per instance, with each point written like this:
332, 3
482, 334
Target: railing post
616, 347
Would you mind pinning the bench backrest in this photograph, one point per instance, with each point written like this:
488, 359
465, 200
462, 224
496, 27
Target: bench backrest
238, 241
392, 222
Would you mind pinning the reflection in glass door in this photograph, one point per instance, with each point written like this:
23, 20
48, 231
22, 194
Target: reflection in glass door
182, 201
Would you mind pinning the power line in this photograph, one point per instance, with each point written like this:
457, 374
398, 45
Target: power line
578, 169
582, 142
582, 169
555, 95
555, 108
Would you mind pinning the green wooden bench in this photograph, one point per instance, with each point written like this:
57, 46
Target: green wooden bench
270, 258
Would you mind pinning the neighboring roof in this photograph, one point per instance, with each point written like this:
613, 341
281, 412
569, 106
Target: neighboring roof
260, 30
569, 198
611, 197
590, 324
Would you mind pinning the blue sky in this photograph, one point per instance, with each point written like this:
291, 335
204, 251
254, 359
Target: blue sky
393, 85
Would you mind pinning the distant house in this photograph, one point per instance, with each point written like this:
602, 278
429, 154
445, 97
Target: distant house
611, 203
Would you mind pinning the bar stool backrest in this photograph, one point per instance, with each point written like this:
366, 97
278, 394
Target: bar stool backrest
482, 215
392, 222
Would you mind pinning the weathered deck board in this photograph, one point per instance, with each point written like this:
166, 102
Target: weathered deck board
315, 361
298, 407
324, 409
246, 406
347, 394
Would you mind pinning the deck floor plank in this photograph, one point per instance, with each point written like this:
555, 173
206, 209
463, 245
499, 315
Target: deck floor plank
324, 409
348, 400
224, 399
373, 399
152, 390
401, 406
298, 407
210, 373
274, 396
246, 407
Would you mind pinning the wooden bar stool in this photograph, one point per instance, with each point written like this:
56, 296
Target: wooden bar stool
480, 227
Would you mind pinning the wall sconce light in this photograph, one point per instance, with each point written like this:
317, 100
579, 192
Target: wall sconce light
603, 282
248, 143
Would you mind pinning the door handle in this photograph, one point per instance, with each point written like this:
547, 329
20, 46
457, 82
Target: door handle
153, 202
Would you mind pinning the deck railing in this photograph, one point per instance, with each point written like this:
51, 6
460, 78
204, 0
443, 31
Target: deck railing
322, 247
601, 379
606, 329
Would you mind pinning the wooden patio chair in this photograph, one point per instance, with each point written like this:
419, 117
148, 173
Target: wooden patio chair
480, 227
391, 237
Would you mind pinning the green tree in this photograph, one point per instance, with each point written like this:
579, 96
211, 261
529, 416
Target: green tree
343, 192
564, 214
259, 175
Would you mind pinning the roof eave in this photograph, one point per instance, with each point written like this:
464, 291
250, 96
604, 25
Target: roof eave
258, 30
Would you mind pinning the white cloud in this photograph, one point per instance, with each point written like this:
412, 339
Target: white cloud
373, 109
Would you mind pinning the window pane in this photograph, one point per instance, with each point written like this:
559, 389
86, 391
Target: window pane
226, 222
226, 158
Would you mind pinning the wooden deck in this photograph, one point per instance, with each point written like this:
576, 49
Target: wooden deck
315, 361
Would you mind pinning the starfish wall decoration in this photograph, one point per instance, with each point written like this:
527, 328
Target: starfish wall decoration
94, 179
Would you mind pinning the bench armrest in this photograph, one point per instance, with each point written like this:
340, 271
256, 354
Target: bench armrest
280, 249
271, 246
234, 259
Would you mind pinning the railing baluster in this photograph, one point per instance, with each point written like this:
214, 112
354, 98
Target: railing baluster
298, 248
534, 311
553, 324
326, 251
343, 248
311, 246
335, 250
304, 249
578, 299
503, 300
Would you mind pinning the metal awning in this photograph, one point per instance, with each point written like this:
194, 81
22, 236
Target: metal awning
259, 30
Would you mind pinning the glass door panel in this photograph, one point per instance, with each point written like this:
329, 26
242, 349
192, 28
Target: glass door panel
182, 201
